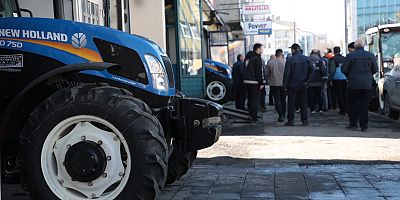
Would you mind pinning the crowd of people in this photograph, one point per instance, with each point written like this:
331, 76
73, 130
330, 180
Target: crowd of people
306, 84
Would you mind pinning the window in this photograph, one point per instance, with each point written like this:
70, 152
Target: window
89, 11
189, 34
186, 30
128, 59
118, 11
8, 8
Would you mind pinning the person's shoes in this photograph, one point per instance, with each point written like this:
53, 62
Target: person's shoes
257, 122
313, 112
281, 119
263, 110
351, 128
289, 123
271, 104
364, 130
305, 123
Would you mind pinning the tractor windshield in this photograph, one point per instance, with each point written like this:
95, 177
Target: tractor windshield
390, 46
8, 8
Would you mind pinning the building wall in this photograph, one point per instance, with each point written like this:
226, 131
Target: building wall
148, 20
371, 13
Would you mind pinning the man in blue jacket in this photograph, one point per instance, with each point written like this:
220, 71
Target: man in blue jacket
239, 88
339, 80
359, 67
297, 72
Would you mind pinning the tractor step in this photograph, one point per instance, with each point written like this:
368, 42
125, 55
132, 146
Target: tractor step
236, 113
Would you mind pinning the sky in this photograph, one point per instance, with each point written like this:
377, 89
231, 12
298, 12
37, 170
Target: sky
317, 16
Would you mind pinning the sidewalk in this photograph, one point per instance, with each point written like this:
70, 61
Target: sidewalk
323, 161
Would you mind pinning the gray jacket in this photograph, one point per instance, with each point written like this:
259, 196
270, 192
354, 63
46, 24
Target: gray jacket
275, 71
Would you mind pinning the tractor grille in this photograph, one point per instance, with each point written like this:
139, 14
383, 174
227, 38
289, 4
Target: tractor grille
170, 72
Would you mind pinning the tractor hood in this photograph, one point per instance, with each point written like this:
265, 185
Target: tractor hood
72, 42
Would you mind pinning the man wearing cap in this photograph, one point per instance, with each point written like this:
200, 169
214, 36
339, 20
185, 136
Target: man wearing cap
359, 67
297, 72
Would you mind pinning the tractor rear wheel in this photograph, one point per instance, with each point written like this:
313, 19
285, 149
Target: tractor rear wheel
93, 141
219, 89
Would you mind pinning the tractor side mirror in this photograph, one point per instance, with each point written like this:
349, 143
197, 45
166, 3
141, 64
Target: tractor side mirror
23, 10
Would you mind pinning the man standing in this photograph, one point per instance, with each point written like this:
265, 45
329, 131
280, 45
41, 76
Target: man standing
328, 97
297, 72
314, 89
339, 80
359, 68
239, 88
263, 94
275, 71
254, 80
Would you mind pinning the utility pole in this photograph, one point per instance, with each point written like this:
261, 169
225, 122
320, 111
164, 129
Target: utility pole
294, 32
346, 31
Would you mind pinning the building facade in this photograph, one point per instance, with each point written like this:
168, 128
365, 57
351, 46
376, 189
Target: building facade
365, 14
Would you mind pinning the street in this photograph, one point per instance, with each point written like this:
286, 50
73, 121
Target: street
270, 161
322, 161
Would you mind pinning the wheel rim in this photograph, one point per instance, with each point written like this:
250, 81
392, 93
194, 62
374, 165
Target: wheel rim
84, 137
216, 90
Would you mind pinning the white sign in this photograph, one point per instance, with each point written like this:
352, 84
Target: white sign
256, 10
258, 28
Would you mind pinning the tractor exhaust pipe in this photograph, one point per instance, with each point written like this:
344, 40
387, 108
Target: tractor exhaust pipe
58, 6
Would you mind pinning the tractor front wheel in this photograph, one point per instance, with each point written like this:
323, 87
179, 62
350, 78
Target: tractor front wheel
93, 142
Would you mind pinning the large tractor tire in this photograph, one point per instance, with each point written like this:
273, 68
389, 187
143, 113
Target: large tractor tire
93, 141
219, 89
388, 110
179, 163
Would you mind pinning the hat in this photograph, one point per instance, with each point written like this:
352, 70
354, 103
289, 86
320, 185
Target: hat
295, 46
351, 45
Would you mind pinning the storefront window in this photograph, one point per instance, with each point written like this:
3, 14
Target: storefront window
190, 38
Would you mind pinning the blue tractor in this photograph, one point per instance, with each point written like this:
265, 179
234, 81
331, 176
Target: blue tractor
89, 112
219, 81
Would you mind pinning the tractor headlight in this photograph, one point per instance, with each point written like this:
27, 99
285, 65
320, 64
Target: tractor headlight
158, 73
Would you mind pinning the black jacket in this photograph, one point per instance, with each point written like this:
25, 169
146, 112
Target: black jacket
318, 72
237, 74
297, 72
359, 67
253, 71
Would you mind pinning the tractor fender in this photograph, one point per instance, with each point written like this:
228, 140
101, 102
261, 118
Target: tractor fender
13, 106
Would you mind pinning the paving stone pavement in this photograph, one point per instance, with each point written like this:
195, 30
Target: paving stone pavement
322, 161
325, 182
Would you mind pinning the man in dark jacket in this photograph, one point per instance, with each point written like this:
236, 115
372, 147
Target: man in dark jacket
254, 80
359, 67
239, 88
297, 72
316, 80
339, 80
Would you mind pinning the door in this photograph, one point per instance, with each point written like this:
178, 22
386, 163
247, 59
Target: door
395, 92
89, 11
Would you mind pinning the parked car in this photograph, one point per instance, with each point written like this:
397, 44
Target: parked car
219, 81
391, 93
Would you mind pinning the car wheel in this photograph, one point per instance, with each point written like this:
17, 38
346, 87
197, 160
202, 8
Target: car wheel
388, 111
93, 142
